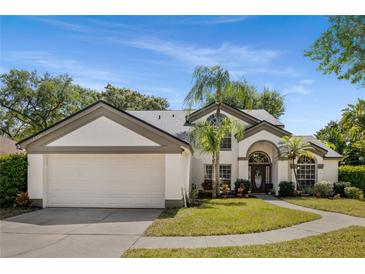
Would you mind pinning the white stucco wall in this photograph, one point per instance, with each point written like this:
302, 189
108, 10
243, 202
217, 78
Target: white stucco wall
36, 176
263, 135
104, 132
177, 175
329, 171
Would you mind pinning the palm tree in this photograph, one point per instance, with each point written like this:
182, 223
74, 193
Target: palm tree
354, 115
207, 138
353, 122
209, 81
292, 148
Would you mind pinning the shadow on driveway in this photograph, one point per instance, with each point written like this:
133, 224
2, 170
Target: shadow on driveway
67, 216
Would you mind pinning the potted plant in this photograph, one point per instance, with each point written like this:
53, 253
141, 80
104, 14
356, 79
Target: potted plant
240, 190
225, 190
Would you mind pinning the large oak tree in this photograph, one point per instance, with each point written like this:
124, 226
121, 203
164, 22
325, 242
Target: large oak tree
30, 102
341, 49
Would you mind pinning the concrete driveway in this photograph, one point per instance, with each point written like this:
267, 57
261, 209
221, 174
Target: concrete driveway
74, 232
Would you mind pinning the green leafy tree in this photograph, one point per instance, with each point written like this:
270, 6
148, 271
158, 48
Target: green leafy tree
353, 123
30, 102
272, 101
209, 82
207, 137
347, 136
332, 135
128, 99
242, 95
292, 148
340, 49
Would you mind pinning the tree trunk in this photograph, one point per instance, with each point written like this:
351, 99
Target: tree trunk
217, 157
217, 172
214, 176
295, 176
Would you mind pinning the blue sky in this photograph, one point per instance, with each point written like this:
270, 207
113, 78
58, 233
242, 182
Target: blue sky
157, 54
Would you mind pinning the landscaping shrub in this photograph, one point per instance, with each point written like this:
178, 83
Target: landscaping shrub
13, 177
323, 189
193, 196
207, 185
22, 200
339, 188
353, 174
308, 190
246, 185
354, 193
286, 189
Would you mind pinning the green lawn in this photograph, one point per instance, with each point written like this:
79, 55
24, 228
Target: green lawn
344, 243
11, 212
226, 216
346, 206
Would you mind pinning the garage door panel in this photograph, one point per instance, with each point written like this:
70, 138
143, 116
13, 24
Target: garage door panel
109, 180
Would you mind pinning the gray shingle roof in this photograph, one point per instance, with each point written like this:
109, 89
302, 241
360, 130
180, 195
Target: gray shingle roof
174, 122
330, 154
262, 114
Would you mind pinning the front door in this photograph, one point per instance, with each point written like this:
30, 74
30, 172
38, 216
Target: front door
258, 173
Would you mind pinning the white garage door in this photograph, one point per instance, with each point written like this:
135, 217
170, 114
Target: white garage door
105, 180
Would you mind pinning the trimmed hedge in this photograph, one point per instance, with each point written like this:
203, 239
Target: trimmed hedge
353, 174
286, 189
13, 177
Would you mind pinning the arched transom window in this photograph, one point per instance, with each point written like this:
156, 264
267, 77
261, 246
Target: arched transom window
259, 158
306, 171
259, 165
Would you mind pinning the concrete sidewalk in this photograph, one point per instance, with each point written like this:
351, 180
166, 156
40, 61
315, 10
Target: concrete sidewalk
330, 221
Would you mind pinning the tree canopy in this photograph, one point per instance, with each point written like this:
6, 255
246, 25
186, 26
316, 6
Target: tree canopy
128, 99
30, 102
341, 49
347, 136
242, 95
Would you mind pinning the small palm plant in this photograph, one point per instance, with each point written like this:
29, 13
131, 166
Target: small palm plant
292, 148
207, 138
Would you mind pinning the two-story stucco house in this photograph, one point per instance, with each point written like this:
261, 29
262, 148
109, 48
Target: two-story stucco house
105, 157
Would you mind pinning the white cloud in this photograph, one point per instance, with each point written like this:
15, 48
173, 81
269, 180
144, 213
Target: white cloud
299, 89
63, 24
226, 53
306, 82
84, 74
210, 20
238, 59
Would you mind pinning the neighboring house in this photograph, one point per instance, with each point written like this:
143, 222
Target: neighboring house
105, 157
7, 146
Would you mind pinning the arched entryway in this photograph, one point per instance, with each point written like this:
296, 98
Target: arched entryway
259, 171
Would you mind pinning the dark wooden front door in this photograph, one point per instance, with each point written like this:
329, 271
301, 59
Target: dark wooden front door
258, 178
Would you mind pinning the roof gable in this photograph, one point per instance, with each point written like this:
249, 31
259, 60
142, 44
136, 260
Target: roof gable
224, 107
165, 141
102, 132
264, 125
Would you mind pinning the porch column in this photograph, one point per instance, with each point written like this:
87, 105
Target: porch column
243, 169
283, 173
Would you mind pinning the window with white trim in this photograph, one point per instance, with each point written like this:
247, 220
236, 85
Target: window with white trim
306, 171
227, 142
225, 172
